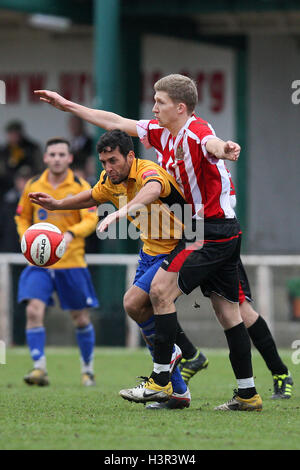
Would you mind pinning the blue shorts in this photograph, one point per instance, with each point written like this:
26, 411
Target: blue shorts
73, 286
146, 270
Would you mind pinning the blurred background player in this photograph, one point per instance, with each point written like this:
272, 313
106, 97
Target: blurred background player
69, 277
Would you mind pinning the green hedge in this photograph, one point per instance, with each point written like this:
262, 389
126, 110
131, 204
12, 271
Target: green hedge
293, 286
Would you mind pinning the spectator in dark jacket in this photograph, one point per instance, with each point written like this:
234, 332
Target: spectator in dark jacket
82, 146
9, 239
18, 151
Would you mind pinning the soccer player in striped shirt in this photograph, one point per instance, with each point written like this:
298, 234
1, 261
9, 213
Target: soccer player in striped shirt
189, 149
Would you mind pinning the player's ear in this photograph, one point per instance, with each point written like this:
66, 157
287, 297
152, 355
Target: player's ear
131, 155
181, 107
71, 158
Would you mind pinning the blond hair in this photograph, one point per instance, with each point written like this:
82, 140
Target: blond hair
180, 89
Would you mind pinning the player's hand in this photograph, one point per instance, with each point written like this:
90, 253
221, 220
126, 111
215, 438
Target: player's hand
68, 238
44, 200
53, 98
231, 151
110, 219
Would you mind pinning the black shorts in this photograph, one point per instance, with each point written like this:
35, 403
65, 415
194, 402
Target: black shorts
211, 263
244, 286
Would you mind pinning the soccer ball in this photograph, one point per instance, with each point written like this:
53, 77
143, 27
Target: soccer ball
43, 244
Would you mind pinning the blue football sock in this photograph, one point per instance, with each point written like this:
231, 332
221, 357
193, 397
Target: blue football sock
178, 384
86, 342
36, 338
148, 332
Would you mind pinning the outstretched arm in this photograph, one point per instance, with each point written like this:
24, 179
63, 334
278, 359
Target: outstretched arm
149, 193
82, 200
104, 119
225, 150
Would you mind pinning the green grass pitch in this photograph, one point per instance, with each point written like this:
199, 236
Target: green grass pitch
66, 415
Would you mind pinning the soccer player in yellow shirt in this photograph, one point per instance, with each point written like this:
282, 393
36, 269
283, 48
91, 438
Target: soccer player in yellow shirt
132, 185
69, 277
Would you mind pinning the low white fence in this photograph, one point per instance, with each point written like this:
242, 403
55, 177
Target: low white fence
262, 263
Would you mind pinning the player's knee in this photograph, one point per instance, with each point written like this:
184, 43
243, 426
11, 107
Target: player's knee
228, 313
248, 314
158, 294
35, 312
81, 322
130, 306
80, 318
137, 309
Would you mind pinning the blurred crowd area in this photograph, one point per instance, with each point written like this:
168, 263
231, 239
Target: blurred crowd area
21, 158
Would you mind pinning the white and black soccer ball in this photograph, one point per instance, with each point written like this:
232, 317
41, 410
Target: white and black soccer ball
43, 244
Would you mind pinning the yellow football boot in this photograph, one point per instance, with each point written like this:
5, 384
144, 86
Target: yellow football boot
88, 379
37, 377
242, 404
148, 390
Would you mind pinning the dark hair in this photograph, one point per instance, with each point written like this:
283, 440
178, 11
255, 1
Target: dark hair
23, 172
14, 126
113, 139
57, 140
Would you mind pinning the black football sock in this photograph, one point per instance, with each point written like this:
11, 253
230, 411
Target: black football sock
240, 357
187, 348
165, 336
263, 340
162, 379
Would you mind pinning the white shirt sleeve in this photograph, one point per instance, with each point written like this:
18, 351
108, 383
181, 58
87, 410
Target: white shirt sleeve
232, 199
142, 130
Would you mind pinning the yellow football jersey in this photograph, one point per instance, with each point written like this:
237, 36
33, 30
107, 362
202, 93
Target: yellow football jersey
160, 229
80, 222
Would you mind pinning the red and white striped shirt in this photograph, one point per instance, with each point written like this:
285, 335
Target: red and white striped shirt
232, 191
202, 177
